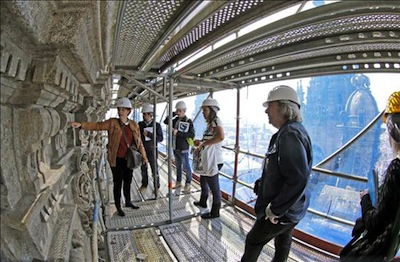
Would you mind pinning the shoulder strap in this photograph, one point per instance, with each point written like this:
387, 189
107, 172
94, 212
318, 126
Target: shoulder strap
215, 121
126, 140
176, 123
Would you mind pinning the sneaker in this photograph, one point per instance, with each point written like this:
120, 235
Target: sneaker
186, 189
131, 206
177, 185
156, 191
142, 188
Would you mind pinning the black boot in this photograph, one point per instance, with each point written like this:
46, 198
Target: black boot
202, 203
213, 213
129, 204
120, 211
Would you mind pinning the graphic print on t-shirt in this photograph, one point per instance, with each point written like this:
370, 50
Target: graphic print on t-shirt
183, 126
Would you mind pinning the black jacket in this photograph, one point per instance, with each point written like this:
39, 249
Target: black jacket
181, 137
286, 169
378, 244
159, 134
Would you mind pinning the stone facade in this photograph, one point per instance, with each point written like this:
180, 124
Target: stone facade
55, 60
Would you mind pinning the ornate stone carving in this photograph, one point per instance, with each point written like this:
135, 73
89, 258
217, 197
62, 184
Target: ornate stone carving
77, 252
50, 59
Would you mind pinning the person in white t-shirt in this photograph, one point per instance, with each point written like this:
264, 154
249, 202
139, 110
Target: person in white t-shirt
212, 160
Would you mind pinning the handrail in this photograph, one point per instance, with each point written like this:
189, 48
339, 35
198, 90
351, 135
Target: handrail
95, 252
317, 168
352, 141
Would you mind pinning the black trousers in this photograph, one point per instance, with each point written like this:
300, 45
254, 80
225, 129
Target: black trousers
121, 175
261, 233
153, 164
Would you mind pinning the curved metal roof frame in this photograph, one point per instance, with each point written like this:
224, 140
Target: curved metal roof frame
343, 37
310, 43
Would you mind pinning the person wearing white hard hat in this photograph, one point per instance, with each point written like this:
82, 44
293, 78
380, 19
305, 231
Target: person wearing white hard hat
147, 131
118, 149
283, 197
210, 148
183, 132
380, 241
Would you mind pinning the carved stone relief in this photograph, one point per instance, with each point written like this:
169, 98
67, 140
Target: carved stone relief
48, 71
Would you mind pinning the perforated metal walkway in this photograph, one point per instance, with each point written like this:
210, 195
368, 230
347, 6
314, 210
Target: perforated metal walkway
150, 234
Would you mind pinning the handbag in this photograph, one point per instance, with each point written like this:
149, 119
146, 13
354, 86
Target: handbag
197, 163
133, 157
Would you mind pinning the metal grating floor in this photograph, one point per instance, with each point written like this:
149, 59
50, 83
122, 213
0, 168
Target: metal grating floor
195, 239
211, 240
153, 212
150, 234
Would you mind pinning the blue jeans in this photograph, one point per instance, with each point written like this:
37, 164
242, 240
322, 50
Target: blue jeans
182, 161
261, 233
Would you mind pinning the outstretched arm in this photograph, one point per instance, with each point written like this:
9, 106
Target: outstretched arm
75, 124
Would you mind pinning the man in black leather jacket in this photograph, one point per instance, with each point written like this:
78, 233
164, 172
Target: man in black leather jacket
283, 197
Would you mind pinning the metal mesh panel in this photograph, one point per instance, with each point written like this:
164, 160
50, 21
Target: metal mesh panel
211, 240
221, 243
184, 246
148, 242
141, 26
154, 212
325, 29
121, 247
224, 15
192, 239
224, 238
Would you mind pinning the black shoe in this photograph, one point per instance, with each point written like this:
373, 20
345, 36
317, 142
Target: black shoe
131, 205
209, 215
121, 212
199, 204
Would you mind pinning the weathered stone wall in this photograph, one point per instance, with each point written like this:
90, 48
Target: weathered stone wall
55, 58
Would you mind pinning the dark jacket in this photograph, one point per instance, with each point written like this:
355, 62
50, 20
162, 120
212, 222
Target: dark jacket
378, 244
181, 137
286, 169
113, 127
159, 134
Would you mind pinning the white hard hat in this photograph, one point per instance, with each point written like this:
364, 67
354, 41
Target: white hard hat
282, 92
180, 105
147, 109
124, 102
211, 102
